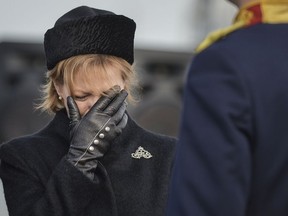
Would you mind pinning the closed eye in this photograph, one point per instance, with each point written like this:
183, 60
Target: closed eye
81, 97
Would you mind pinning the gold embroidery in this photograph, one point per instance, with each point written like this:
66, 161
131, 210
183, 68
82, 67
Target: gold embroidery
264, 11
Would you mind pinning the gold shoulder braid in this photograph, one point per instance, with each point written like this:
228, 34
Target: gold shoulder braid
263, 11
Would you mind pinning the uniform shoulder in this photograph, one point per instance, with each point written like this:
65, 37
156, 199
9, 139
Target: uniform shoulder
245, 39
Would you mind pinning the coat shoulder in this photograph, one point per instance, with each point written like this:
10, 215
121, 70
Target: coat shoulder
159, 142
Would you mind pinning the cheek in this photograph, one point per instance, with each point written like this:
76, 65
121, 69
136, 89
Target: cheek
83, 107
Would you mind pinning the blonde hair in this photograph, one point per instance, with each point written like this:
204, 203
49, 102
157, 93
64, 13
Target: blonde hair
88, 65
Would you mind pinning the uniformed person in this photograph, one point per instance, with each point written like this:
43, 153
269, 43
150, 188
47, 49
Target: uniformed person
232, 157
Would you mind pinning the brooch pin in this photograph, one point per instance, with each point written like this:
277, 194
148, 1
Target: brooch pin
141, 152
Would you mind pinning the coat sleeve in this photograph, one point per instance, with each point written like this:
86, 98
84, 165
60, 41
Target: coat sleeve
67, 192
212, 171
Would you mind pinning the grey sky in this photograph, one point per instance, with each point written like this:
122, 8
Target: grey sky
161, 24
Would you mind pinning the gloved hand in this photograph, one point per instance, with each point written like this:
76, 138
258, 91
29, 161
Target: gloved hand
91, 135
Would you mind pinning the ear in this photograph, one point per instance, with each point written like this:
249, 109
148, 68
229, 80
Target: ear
59, 88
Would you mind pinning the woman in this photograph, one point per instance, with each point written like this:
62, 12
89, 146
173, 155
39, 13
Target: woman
92, 158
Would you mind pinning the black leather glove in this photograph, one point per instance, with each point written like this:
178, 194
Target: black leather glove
91, 135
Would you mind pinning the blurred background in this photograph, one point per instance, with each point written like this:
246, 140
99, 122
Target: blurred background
166, 35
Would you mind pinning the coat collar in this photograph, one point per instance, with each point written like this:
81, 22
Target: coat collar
58, 127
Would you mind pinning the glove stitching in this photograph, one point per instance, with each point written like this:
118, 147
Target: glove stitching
91, 143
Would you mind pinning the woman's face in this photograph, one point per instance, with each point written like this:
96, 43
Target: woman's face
86, 91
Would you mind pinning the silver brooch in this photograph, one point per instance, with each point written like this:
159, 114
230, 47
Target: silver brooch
141, 152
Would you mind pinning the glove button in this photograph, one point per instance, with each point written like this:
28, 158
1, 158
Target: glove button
101, 135
96, 141
107, 129
91, 148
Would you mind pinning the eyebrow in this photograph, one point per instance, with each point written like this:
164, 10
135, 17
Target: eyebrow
81, 92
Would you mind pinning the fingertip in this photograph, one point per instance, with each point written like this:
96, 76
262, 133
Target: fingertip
73, 111
68, 99
113, 91
116, 88
124, 93
70, 102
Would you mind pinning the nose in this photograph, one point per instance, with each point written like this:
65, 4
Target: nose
89, 103
92, 100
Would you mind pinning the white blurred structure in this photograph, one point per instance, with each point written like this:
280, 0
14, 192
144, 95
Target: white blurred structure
161, 24
3, 208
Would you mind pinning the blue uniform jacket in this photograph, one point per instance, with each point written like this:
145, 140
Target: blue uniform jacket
232, 156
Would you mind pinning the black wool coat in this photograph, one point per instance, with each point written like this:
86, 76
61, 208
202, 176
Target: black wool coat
39, 181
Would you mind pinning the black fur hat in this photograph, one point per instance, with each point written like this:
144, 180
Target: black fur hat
86, 30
